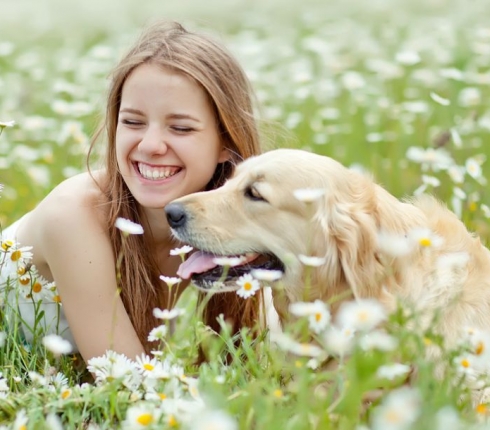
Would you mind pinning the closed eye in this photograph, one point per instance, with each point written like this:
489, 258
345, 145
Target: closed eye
131, 122
182, 129
252, 193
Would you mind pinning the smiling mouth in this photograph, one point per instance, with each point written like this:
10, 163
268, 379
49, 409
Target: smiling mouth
206, 274
156, 173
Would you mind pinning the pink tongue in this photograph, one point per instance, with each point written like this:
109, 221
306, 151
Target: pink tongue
197, 263
201, 261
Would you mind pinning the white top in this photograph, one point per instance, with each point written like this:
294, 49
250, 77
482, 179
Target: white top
29, 293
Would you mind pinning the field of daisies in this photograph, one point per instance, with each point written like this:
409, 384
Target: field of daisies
399, 89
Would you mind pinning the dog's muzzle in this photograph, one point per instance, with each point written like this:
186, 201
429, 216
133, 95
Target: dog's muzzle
176, 215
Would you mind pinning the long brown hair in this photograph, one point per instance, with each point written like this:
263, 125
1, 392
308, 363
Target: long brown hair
170, 45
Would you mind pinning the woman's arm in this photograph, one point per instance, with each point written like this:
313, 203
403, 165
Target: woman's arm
76, 247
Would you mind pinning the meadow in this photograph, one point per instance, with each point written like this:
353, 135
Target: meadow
398, 89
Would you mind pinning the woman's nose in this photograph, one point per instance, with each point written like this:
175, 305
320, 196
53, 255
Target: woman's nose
154, 141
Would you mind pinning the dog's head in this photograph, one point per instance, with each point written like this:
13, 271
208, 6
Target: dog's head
256, 216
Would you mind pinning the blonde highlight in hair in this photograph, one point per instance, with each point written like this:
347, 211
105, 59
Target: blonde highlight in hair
170, 45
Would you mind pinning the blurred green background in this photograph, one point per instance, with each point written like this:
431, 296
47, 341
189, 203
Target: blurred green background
397, 88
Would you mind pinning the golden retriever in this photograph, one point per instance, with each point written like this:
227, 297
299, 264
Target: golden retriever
372, 244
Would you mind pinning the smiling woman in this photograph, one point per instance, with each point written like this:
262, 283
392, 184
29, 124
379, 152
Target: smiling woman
179, 117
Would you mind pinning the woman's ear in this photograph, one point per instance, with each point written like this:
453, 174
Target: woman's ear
224, 155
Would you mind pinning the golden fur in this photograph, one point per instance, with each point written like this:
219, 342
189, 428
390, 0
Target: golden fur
366, 235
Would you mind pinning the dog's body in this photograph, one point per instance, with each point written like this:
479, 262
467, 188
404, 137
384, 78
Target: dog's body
368, 238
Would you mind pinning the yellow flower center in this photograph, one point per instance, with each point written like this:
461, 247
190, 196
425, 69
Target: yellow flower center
37, 287
465, 363
145, 419
148, 366
65, 394
172, 422
472, 206
363, 316
278, 393
425, 241
7, 244
162, 396
427, 341
23, 427
247, 286
392, 416
318, 317
298, 364
15, 256
479, 348
24, 281
21, 270
481, 409
57, 299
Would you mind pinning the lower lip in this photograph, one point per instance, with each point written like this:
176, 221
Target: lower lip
155, 181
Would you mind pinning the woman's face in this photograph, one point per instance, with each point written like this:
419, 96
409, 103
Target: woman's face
167, 141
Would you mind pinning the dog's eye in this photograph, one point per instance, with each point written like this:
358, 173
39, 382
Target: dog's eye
253, 194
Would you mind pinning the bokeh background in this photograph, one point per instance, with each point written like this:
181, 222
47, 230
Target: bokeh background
398, 88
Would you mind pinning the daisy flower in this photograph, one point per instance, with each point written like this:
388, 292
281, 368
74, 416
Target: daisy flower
181, 251
399, 410
166, 314
266, 275
317, 313
158, 333
170, 280
378, 340
362, 315
339, 341
308, 195
392, 371
286, 343
4, 124
311, 261
215, 420
425, 238
128, 227
248, 286
229, 261
473, 168
21, 255
57, 345
21, 420
141, 416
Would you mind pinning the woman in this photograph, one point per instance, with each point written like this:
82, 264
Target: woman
179, 117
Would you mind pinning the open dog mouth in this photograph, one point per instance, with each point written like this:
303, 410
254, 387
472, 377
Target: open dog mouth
204, 270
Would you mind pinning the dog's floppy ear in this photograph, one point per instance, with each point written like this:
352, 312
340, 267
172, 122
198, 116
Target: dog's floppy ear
350, 224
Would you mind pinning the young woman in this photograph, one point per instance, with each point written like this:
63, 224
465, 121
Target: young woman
179, 117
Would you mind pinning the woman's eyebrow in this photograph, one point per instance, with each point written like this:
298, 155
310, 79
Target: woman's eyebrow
131, 110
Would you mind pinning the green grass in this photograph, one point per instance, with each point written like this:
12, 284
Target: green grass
328, 79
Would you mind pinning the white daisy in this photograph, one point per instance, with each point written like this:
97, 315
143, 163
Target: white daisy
438, 99
248, 286
392, 371
128, 227
229, 261
473, 168
171, 280
4, 124
286, 343
166, 314
308, 195
141, 416
425, 238
399, 410
57, 345
181, 251
266, 275
317, 313
339, 341
378, 340
362, 314
158, 333
214, 420
311, 261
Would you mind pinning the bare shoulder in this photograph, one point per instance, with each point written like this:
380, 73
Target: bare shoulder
73, 209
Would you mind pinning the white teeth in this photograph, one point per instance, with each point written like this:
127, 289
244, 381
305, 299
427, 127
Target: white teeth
156, 173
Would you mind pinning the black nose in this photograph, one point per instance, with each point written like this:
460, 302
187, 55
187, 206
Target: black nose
176, 215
